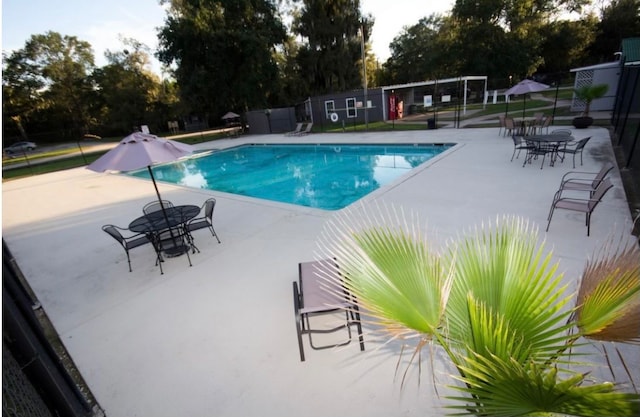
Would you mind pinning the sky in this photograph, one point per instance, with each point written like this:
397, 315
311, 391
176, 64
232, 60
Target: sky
104, 23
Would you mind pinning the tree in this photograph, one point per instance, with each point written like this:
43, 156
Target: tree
496, 308
127, 90
500, 38
224, 52
50, 77
330, 58
566, 44
620, 20
416, 52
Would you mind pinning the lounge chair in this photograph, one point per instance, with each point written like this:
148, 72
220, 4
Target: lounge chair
127, 242
583, 205
206, 221
313, 296
296, 130
306, 130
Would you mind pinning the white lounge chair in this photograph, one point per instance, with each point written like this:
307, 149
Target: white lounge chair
295, 131
306, 130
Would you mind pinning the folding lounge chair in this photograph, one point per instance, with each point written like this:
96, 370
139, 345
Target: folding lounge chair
314, 296
582, 205
306, 130
296, 130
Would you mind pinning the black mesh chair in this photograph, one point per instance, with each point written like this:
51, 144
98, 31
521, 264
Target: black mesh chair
156, 206
536, 149
314, 296
518, 145
206, 221
573, 148
171, 243
127, 242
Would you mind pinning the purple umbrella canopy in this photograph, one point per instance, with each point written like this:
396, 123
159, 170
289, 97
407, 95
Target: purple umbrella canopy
140, 150
230, 115
526, 86
523, 88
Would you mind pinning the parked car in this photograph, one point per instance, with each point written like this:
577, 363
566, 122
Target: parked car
19, 147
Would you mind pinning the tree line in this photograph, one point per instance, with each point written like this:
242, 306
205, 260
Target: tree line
239, 55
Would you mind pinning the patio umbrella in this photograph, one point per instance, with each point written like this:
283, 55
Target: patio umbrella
230, 115
524, 87
140, 150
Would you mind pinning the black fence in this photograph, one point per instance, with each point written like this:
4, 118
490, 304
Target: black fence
626, 118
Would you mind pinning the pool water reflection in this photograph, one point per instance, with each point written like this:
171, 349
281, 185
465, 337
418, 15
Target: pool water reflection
328, 177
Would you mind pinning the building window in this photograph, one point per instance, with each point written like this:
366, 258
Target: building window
329, 107
351, 107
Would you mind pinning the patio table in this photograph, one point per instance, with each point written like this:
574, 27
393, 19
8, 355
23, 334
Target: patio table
153, 224
543, 144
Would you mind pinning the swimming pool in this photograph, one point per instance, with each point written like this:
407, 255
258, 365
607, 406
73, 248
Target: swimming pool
328, 177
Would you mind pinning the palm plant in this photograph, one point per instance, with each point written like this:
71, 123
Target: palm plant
494, 303
588, 93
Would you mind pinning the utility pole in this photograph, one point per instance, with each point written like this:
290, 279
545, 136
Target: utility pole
364, 76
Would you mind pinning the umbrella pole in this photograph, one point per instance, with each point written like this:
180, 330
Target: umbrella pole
524, 105
164, 212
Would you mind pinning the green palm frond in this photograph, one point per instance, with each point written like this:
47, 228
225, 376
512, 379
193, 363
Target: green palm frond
502, 269
493, 302
395, 277
608, 303
501, 387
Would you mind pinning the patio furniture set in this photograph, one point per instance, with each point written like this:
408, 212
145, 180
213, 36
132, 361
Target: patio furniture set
524, 126
557, 145
167, 228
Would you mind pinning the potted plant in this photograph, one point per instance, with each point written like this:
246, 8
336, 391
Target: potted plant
588, 93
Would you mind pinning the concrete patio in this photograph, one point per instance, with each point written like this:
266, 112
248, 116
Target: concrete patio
218, 338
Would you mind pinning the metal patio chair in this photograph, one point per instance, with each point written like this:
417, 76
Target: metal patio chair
156, 206
518, 145
582, 205
583, 181
314, 296
509, 126
573, 148
206, 221
127, 242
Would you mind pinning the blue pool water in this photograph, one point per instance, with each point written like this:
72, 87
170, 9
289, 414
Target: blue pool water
328, 177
